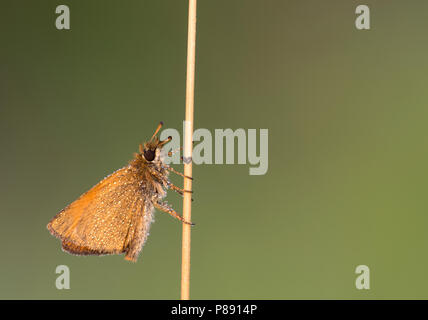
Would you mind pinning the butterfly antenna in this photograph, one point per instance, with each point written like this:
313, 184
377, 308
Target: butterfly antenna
165, 141
157, 130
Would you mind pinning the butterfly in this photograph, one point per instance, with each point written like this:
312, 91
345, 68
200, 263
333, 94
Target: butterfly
114, 216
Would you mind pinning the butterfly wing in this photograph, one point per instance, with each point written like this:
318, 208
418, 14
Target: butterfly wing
112, 217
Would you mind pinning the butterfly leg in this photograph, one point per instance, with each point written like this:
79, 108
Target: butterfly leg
166, 208
177, 189
167, 183
170, 153
161, 178
176, 172
174, 151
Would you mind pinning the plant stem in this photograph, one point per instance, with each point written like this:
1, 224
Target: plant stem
188, 148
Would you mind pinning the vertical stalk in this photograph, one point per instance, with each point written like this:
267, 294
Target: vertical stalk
188, 148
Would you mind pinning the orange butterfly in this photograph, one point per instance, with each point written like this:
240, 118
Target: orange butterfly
114, 216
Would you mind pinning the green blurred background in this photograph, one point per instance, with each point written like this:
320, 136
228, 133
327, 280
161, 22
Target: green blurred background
346, 112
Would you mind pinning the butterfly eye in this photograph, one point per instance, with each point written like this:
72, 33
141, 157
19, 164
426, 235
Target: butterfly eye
149, 155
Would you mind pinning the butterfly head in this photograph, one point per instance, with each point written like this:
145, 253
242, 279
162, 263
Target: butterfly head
151, 150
